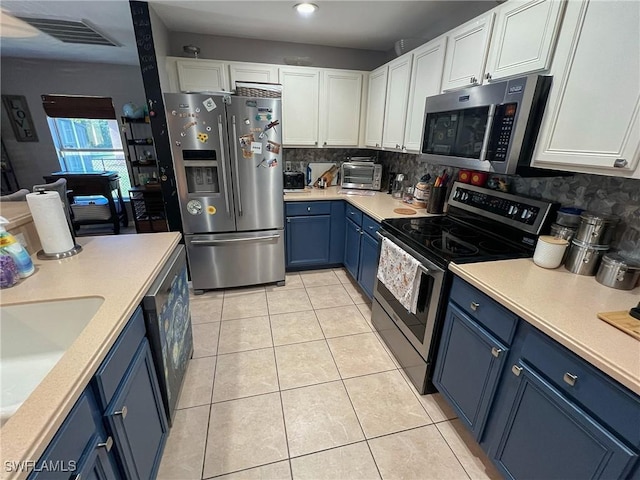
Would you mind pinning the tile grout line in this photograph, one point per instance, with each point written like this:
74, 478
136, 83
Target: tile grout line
452, 451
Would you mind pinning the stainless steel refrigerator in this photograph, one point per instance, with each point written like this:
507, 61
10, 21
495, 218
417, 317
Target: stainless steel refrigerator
227, 155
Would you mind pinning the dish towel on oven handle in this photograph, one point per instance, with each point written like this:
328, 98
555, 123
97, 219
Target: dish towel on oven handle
399, 272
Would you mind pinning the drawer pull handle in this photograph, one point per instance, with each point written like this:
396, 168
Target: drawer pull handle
475, 306
516, 370
106, 444
308, 209
496, 351
570, 379
122, 412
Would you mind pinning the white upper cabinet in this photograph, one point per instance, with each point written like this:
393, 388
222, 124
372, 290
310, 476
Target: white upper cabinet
340, 101
467, 48
252, 72
375, 107
523, 38
202, 76
395, 111
426, 80
591, 123
300, 105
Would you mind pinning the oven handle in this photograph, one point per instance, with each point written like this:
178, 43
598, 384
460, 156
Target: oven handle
487, 132
424, 269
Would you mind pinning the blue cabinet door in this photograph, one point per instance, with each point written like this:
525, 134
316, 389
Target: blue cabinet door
547, 436
81, 446
308, 240
336, 249
137, 419
468, 367
352, 247
368, 263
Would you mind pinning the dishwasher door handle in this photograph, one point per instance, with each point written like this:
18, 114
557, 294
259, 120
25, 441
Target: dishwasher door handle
211, 243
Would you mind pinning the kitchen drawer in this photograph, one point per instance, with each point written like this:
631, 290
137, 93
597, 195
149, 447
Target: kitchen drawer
293, 209
353, 214
370, 226
113, 368
610, 403
484, 310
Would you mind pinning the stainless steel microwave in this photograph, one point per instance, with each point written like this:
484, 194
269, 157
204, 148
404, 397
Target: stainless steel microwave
491, 128
361, 175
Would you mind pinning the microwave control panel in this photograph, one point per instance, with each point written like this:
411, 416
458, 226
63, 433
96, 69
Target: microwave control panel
503, 124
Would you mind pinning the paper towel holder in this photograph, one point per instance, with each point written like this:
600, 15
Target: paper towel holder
42, 255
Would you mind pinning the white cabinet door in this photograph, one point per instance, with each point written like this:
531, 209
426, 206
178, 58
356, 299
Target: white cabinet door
395, 110
252, 72
466, 56
524, 37
340, 101
202, 76
591, 122
300, 108
375, 107
426, 80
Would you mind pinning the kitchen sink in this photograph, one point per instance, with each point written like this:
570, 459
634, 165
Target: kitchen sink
33, 337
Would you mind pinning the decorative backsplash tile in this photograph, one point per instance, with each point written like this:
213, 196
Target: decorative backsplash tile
597, 193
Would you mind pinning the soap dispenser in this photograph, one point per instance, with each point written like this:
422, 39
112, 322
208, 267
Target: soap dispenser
10, 246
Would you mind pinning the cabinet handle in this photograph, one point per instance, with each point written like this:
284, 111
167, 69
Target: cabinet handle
106, 444
474, 306
308, 209
620, 163
288, 220
325, 144
397, 145
377, 144
488, 76
570, 379
371, 227
496, 351
122, 412
516, 370
315, 143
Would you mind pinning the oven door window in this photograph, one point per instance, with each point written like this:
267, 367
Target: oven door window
358, 174
416, 323
456, 133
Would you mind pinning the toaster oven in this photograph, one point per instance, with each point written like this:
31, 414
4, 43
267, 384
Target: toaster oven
361, 175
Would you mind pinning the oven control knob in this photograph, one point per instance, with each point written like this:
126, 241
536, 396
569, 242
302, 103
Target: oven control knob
194, 207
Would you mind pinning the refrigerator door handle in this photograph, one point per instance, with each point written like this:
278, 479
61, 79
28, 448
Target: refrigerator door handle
222, 164
210, 243
237, 175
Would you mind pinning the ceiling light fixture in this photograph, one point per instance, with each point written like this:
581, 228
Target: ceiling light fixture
306, 8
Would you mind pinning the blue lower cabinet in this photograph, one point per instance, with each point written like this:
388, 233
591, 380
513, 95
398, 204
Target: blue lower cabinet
369, 250
80, 447
352, 248
308, 240
468, 367
547, 436
137, 419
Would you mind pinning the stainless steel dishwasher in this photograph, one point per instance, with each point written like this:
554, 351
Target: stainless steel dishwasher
168, 319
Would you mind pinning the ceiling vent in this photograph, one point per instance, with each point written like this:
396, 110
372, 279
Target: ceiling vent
70, 31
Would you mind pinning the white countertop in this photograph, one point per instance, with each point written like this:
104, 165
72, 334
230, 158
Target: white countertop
379, 206
564, 306
119, 268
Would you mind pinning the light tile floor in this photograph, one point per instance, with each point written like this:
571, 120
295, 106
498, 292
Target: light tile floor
293, 383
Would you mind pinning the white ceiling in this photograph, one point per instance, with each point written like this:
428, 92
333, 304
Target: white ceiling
369, 25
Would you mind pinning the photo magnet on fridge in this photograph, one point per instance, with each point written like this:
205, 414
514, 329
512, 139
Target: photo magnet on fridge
209, 104
273, 147
246, 140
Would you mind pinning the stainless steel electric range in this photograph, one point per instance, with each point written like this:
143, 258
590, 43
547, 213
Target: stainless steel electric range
480, 225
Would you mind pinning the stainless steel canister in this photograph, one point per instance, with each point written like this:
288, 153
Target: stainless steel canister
584, 258
596, 228
618, 272
560, 231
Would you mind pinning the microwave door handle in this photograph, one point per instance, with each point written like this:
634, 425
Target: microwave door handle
487, 133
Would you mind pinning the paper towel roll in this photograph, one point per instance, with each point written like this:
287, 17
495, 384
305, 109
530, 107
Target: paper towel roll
50, 220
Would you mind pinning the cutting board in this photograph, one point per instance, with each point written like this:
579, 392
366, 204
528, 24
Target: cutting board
315, 169
622, 321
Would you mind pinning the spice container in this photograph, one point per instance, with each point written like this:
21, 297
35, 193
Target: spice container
618, 272
421, 195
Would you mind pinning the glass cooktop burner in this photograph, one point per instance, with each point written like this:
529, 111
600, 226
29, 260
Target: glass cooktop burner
444, 240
